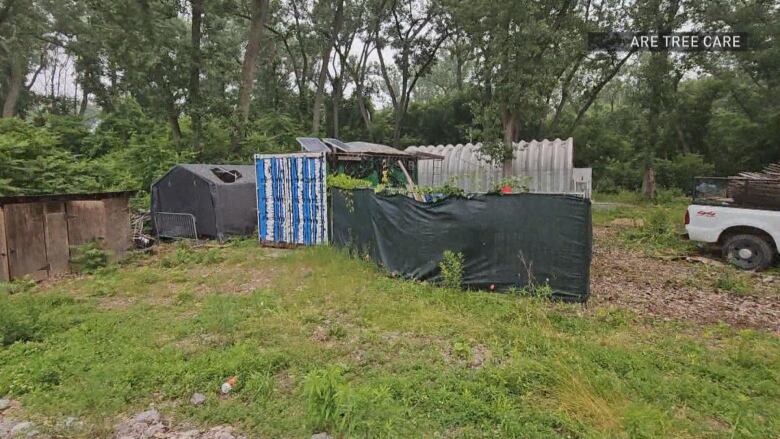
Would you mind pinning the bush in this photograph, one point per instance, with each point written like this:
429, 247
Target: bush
680, 171
186, 255
30, 318
344, 181
88, 258
451, 267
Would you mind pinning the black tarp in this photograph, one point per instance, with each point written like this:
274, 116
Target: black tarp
502, 237
221, 197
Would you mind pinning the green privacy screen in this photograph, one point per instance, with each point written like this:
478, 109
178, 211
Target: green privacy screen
503, 238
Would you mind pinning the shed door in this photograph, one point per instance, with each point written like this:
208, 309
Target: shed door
86, 222
57, 250
26, 240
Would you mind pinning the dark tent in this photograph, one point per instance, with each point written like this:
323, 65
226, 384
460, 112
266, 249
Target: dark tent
222, 198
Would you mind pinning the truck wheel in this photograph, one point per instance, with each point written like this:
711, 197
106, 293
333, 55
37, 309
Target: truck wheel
748, 252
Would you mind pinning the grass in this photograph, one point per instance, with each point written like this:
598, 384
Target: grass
320, 341
660, 222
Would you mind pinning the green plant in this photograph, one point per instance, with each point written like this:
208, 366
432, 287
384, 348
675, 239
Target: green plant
733, 282
495, 152
517, 183
16, 286
451, 266
186, 254
344, 181
88, 258
322, 389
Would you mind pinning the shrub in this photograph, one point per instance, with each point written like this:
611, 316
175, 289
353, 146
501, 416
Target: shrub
17, 286
344, 181
451, 267
88, 258
186, 255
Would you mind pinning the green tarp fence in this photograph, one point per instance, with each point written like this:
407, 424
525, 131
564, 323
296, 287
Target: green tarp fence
506, 240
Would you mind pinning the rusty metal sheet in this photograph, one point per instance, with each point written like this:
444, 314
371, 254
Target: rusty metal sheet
4, 275
57, 250
26, 240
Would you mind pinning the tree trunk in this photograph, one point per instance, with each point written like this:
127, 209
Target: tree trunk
319, 97
14, 86
248, 67
648, 183
173, 119
84, 102
364, 114
195, 38
511, 123
336, 103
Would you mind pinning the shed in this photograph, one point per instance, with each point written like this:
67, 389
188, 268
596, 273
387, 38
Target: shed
221, 198
367, 160
38, 232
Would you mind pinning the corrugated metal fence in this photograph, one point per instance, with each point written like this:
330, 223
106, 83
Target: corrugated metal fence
548, 163
292, 198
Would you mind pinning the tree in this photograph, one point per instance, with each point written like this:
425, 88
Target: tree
196, 26
332, 36
415, 30
248, 67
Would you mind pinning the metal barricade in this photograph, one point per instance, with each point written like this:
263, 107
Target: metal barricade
175, 225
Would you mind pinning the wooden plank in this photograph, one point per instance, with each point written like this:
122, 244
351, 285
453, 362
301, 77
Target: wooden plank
57, 250
26, 240
4, 274
119, 235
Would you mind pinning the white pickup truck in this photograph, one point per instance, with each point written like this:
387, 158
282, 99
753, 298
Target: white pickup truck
749, 237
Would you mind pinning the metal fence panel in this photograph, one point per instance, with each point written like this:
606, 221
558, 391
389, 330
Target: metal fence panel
175, 225
292, 198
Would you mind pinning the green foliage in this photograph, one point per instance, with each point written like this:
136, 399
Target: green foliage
344, 181
88, 258
323, 389
34, 163
495, 152
333, 405
679, 172
16, 286
733, 283
186, 254
451, 266
516, 183
27, 317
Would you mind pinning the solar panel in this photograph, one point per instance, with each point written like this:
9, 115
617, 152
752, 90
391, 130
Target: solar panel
312, 144
336, 143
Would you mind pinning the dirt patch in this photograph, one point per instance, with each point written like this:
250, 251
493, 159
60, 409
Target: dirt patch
150, 424
670, 289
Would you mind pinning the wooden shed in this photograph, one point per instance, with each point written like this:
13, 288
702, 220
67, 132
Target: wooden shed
37, 232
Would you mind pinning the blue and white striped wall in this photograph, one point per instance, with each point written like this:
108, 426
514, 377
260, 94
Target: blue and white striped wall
292, 198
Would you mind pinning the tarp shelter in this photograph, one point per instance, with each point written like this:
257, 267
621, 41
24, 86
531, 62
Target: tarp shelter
506, 240
220, 197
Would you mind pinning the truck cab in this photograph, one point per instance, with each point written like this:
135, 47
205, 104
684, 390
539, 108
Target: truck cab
743, 220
